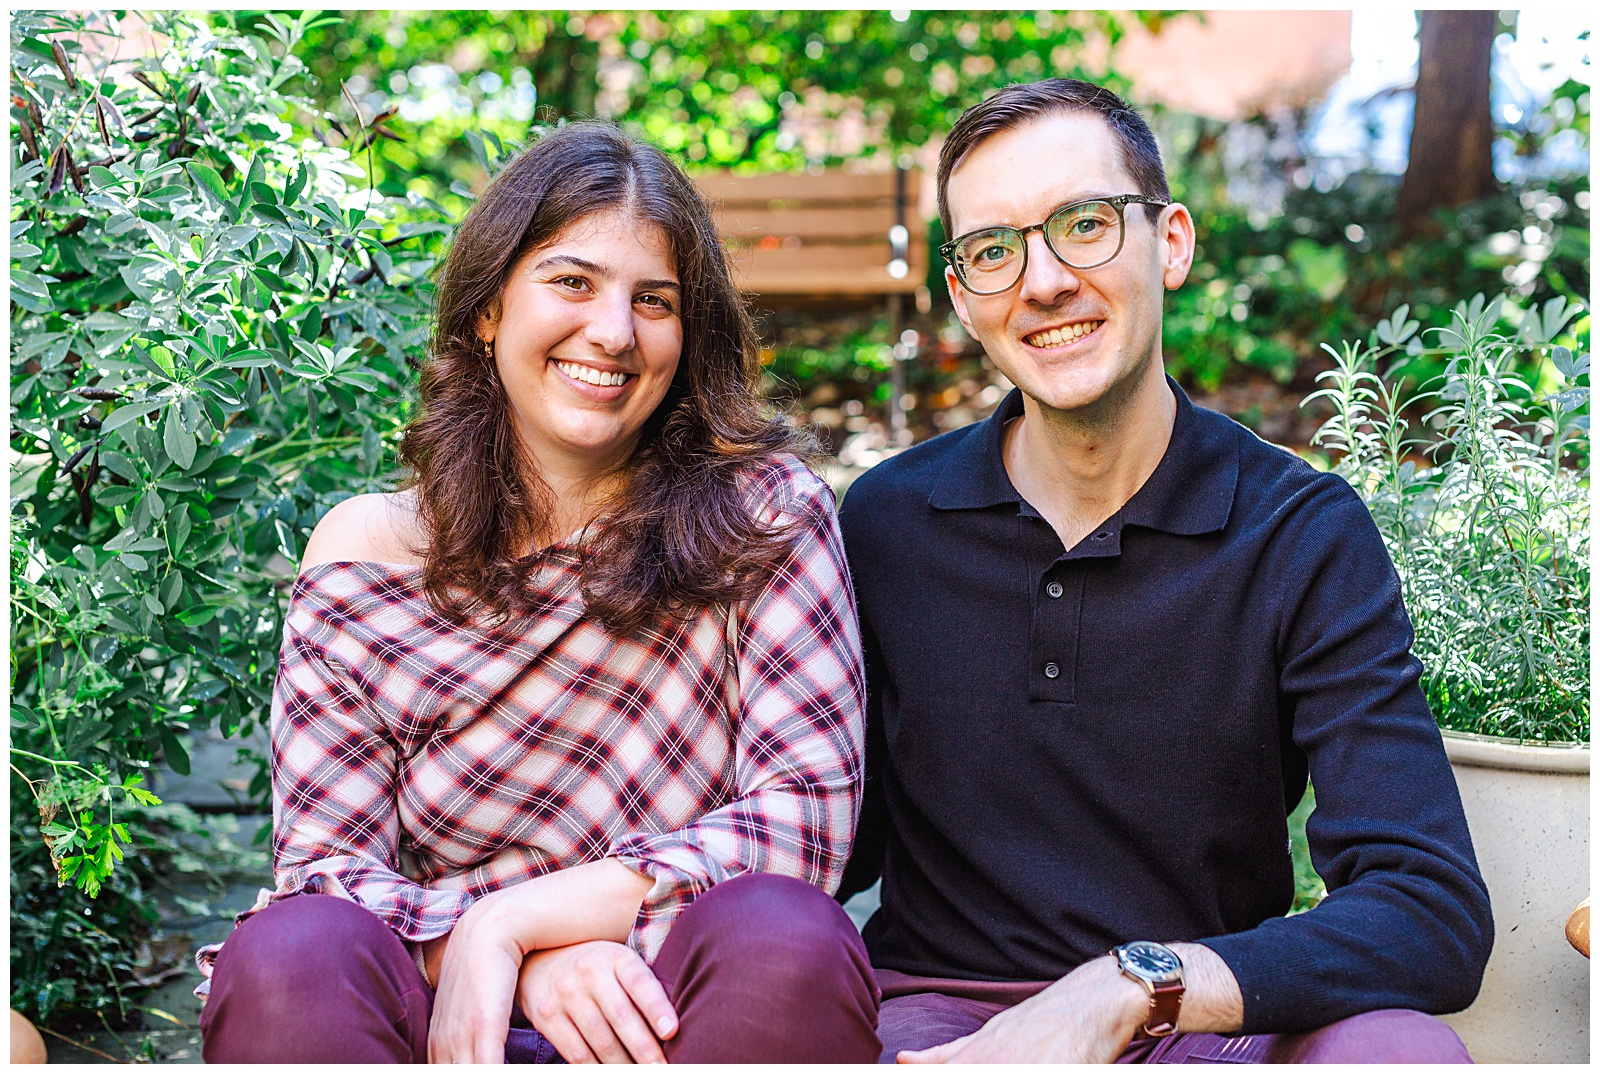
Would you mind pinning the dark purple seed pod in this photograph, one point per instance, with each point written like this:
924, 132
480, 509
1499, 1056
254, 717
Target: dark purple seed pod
58, 172
28, 139
78, 456
60, 55
72, 169
112, 111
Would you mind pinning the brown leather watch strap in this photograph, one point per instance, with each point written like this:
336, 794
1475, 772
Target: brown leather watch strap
1165, 1001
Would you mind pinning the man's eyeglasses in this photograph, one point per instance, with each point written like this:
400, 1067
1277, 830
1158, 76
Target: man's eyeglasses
1082, 235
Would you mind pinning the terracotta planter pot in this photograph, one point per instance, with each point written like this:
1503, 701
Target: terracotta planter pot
1528, 810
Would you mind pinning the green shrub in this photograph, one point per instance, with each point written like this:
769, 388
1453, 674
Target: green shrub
1491, 540
1331, 264
213, 317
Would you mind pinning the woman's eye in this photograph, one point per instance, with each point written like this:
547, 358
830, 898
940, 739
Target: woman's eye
572, 283
655, 301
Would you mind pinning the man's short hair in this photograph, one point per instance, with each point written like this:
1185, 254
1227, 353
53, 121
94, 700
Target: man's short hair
1018, 104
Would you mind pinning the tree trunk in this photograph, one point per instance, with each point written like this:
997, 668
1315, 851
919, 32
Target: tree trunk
1453, 134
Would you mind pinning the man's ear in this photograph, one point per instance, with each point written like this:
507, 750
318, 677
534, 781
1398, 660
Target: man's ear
958, 299
1177, 230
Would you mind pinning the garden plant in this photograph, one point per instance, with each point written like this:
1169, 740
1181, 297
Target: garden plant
1483, 502
213, 315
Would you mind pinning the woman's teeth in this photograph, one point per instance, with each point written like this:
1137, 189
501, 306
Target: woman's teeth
591, 376
1057, 336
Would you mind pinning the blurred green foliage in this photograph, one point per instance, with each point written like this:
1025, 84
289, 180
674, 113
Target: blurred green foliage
762, 91
1309, 889
756, 90
1268, 288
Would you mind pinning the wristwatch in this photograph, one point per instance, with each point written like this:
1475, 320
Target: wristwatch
1160, 970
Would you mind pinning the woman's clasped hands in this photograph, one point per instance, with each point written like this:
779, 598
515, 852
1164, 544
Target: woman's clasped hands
595, 1001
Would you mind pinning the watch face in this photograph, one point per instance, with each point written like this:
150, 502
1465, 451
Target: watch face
1151, 961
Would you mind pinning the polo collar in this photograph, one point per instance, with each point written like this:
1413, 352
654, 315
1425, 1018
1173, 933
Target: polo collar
1190, 492
975, 474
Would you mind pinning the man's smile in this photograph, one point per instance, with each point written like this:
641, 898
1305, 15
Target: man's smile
1064, 334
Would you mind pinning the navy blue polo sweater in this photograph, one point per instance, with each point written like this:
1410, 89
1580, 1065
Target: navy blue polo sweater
1072, 748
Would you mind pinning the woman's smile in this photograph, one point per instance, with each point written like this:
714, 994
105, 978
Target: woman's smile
594, 382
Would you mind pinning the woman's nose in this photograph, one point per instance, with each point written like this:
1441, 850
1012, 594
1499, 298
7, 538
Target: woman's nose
611, 324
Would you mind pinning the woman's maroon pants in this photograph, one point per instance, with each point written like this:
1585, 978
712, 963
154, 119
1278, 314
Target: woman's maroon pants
760, 968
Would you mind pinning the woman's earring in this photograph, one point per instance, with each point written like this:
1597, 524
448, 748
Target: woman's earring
488, 349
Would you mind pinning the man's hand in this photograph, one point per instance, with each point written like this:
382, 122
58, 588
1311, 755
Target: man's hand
477, 981
1088, 1016
1091, 1014
597, 1002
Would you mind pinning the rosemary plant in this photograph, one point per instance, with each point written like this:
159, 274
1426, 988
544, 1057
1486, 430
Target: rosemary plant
1484, 506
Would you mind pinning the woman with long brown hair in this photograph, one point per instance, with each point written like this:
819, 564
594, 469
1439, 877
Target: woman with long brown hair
568, 732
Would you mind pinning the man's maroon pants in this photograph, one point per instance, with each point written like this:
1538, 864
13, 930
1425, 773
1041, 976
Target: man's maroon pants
760, 968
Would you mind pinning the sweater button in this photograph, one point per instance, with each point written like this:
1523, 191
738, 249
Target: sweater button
1052, 671
1054, 589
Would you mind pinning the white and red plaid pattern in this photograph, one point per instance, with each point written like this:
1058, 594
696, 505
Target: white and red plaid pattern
419, 765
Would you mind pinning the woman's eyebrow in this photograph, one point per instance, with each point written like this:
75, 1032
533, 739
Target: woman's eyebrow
575, 262
601, 271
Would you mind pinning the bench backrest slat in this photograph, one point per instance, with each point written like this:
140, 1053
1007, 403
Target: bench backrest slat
825, 234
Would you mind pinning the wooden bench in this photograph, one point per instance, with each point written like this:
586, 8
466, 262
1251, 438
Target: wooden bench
823, 235
831, 235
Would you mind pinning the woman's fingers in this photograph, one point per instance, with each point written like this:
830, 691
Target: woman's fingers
599, 1001
472, 1006
597, 1030
648, 997
465, 1042
567, 1040
489, 1045
629, 1025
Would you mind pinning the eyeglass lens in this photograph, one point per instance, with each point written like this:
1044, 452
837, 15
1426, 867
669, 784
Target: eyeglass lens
1082, 236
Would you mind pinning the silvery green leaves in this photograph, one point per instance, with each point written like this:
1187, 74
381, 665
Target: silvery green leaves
1484, 507
208, 346
1397, 329
1544, 324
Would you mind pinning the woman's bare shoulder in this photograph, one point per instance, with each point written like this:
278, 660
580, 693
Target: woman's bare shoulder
381, 527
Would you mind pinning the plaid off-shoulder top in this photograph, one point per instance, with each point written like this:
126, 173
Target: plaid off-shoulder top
419, 765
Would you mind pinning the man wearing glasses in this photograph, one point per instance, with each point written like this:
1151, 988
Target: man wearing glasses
1108, 634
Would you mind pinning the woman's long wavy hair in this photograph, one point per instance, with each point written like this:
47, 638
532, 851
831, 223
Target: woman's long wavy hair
679, 535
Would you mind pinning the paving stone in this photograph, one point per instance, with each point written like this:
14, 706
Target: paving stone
217, 781
863, 904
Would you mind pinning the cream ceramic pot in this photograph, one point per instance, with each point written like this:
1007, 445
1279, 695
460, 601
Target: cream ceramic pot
1528, 810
